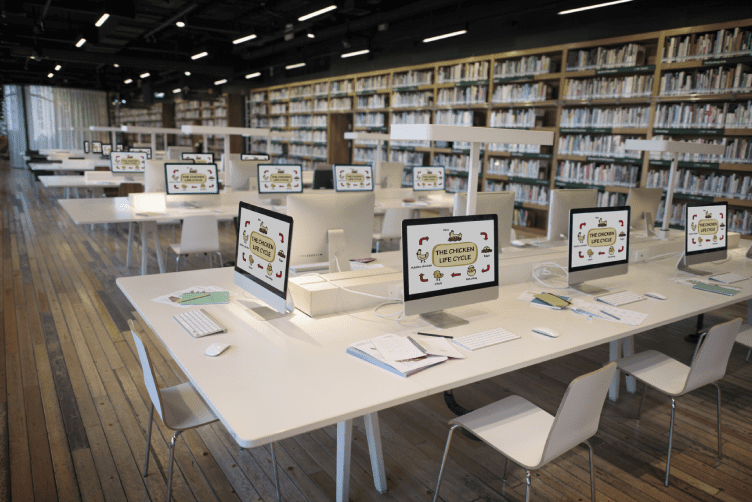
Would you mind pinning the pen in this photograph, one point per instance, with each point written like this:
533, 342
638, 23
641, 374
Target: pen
577, 311
439, 336
610, 315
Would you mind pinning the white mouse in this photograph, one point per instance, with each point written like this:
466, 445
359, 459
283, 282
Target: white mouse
657, 296
518, 244
216, 349
546, 332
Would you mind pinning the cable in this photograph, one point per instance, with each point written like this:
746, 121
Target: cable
670, 256
401, 313
537, 268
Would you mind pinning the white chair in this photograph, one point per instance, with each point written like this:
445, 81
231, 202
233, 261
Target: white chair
530, 436
200, 234
745, 332
675, 379
391, 226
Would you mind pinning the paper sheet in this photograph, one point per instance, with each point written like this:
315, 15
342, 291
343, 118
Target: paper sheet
609, 313
406, 367
436, 346
396, 348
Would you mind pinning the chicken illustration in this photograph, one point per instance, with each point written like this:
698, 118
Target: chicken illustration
590, 252
262, 228
454, 237
471, 271
245, 237
611, 250
486, 250
269, 269
175, 177
715, 238
602, 223
422, 257
580, 237
694, 226
708, 214
437, 274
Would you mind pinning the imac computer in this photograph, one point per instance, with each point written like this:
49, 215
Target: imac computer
449, 262
96, 147
279, 180
352, 178
128, 164
560, 203
263, 259
499, 203
598, 245
106, 149
119, 148
190, 179
86, 146
323, 178
427, 179
176, 152
254, 156
644, 203
390, 174
330, 225
198, 158
706, 236
243, 175
145, 149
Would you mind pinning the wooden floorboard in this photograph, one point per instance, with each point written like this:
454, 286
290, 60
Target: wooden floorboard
74, 410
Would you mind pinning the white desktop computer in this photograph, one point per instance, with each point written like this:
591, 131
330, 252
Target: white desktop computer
279, 180
175, 152
598, 245
349, 178
154, 176
143, 149
560, 204
428, 179
198, 158
706, 236
129, 164
263, 258
119, 147
644, 203
243, 177
254, 156
190, 179
499, 203
449, 262
86, 146
390, 174
106, 149
331, 225
96, 147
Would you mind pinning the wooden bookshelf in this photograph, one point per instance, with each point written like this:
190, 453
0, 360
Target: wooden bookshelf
156, 115
225, 111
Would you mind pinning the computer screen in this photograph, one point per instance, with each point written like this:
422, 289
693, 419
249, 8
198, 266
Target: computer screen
280, 178
428, 178
146, 150
353, 178
706, 229
323, 179
106, 149
262, 261
390, 174
96, 147
193, 179
86, 147
127, 162
560, 203
448, 262
198, 158
118, 147
499, 203
254, 156
643, 200
598, 239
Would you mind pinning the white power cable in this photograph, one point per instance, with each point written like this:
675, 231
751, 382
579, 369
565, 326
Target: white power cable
539, 266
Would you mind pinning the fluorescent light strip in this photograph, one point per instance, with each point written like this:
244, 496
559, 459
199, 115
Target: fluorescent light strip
58, 67
102, 20
253, 75
81, 42
187, 74
220, 82
180, 24
128, 81
311, 35
244, 39
159, 94
317, 13
356, 53
144, 75
175, 91
199, 55
50, 75
446, 35
116, 65
292, 66
597, 6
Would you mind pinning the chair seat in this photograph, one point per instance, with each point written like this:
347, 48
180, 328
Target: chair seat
657, 370
745, 335
184, 408
514, 426
176, 249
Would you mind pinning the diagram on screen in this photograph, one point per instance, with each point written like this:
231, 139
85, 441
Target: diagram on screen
707, 228
428, 178
191, 179
353, 178
128, 162
279, 178
598, 238
260, 248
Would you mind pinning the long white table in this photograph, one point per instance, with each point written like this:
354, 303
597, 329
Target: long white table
304, 360
74, 165
76, 182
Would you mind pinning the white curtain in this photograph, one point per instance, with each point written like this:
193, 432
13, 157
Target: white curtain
48, 109
13, 116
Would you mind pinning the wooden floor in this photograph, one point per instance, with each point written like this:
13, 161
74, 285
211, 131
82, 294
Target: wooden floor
74, 409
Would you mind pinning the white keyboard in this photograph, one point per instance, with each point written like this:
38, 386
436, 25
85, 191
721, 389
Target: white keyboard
729, 278
199, 323
307, 267
549, 244
620, 298
484, 339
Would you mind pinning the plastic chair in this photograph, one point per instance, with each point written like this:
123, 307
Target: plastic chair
745, 336
675, 379
532, 437
200, 235
391, 227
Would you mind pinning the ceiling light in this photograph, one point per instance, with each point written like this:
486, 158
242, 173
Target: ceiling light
253, 75
33, 57
317, 13
180, 24
297, 65
570, 11
220, 82
81, 42
58, 67
187, 74
159, 94
356, 53
311, 35
128, 81
199, 55
102, 20
446, 35
144, 75
244, 39
175, 91
50, 75
116, 65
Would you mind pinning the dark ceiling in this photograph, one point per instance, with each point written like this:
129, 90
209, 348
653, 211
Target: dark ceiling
142, 36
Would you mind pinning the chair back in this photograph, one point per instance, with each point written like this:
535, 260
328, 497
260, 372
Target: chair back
712, 357
128, 188
150, 379
579, 412
199, 234
391, 227
101, 168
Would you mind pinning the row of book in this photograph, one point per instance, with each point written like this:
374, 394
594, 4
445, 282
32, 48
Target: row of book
455, 184
740, 220
631, 86
369, 119
305, 106
413, 77
342, 87
516, 118
530, 65
415, 143
422, 117
532, 194
371, 143
321, 89
280, 121
258, 109
704, 116
301, 91
373, 101
321, 105
524, 218
375, 83
468, 95
454, 117
521, 168
300, 150
597, 145
453, 161
257, 97
412, 99
302, 136
278, 108
406, 157
611, 199
624, 116
318, 121
300, 121
261, 122
703, 183
319, 136
718, 80
738, 151
279, 94
259, 146
630, 54
521, 93
319, 152
513, 148
463, 72
367, 155
593, 173
722, 43
340, 104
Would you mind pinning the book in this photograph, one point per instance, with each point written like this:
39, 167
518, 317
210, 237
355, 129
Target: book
367, 351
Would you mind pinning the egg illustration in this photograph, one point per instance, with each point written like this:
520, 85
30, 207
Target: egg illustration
269, 269
611, 250
471, 271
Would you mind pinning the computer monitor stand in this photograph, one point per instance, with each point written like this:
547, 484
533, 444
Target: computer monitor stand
649, 224
442, 320
749, 251
268, 314
338, 259
681, 266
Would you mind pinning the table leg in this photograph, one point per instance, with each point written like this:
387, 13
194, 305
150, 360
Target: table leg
614, 351
373, 434
144, 248
152, 227
344, 445
66, 191
130, 244
627, 349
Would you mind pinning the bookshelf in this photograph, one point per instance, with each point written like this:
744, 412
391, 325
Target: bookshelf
225, 111
690, 84
156, 115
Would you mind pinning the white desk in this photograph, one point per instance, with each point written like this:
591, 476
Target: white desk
304, 359
76, 182
70, 165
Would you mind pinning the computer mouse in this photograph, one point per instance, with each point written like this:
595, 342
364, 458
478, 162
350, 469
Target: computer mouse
546, 332
657, 296
518, 244
216, 349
